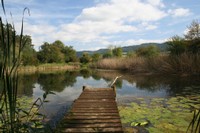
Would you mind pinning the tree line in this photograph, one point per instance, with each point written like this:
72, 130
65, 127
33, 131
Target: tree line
58, 52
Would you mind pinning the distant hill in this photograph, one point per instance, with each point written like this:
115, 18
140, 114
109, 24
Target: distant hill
161, 46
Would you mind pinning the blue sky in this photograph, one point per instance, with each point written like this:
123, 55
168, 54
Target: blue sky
95, 24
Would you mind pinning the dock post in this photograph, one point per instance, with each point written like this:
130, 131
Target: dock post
83, 88
114, 89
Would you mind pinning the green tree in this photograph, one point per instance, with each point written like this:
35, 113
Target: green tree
108, 54
41, 55
55, 55
96, 57
60, 45
51, 53
148, 51
193, 31
70, 54
194, 46
85, 58
193, 37
177, 45
117, 52
56, 52
29, 55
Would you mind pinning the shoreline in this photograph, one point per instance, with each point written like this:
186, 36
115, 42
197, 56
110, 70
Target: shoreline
74, 67
147, 73
48, 67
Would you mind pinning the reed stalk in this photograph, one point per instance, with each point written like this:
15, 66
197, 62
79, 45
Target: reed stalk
10, 59
185, 63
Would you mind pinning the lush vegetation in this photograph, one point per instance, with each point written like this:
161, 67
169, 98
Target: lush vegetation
56, 52
181, 57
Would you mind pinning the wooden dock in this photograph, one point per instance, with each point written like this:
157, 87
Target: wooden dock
94, 111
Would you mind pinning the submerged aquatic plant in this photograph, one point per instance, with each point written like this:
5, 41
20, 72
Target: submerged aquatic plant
162, 115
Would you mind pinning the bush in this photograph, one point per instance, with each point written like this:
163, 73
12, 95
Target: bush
177, 45
85, 58
148, 51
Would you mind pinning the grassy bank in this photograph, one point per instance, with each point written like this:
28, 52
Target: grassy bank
180, 64
47, 67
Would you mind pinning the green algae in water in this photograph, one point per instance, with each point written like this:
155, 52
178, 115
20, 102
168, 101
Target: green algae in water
163, 115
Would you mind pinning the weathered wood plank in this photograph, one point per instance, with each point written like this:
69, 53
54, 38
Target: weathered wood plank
94, 110
92, 125
91, 117
93, 121
93, 130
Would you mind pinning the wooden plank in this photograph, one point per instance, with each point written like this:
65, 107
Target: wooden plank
91, 117
92, 125
93, 114
94, 110
91, 121
95, 106
92, 130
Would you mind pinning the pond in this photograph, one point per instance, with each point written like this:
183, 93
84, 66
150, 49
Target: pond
155, 102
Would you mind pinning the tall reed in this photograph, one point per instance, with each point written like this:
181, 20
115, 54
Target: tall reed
182, 64
194, 126
9, 63
11, 120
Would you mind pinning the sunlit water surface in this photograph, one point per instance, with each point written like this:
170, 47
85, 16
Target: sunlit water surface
67, 87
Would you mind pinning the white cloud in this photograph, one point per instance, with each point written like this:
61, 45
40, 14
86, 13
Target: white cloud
151, 27
180, 12
39, 29
39, 32
98, 24
148, 26
158, 3
116, 16
126, 10
92, 30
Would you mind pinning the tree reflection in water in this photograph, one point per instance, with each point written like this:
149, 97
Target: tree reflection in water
58, 81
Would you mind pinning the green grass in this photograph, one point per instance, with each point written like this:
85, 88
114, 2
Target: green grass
47, 67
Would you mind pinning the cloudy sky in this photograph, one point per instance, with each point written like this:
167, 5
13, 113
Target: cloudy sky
95, 24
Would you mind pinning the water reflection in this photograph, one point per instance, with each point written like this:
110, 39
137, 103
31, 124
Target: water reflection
57, 81
68, 85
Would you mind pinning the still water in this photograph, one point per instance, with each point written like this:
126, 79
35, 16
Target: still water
67, 86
